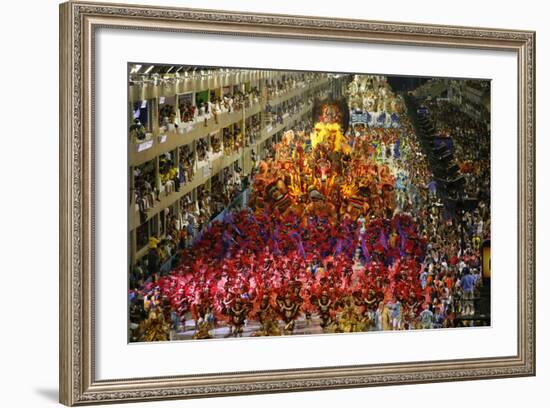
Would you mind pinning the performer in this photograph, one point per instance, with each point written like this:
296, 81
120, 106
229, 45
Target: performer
289, 310
267, 317
325, 306
370, 303
410, 310
350, 320
237, 314
154, 328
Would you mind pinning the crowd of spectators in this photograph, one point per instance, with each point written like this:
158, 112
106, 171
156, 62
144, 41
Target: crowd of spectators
452, 273
466, 132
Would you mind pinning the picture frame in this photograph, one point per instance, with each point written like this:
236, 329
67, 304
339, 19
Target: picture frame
78, 24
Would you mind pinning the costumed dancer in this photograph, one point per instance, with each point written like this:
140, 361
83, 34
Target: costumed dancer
237, 314
289, 310
266, 315
324, 305
154, 328
369, 303
349, 320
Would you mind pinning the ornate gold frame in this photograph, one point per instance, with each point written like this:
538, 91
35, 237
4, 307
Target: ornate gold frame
78, 22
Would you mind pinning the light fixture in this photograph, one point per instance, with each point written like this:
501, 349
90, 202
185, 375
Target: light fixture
149, 69
170, 69
135, 69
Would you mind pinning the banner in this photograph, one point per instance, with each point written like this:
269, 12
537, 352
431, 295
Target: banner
360, 117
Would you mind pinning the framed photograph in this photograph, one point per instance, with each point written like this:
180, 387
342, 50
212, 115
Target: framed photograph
256, 203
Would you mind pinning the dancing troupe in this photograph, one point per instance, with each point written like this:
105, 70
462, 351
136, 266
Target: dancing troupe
336, 237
